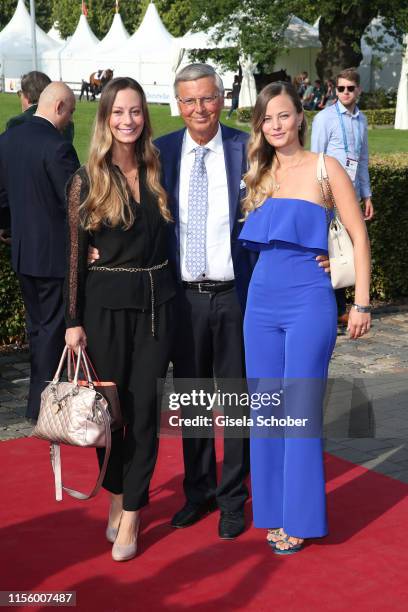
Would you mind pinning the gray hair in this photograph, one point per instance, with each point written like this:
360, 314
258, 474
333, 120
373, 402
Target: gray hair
193, 72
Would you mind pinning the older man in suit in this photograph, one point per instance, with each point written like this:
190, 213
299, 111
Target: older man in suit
35, 164
202, 168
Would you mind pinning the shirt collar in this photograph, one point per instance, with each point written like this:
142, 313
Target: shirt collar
214, 145
344, 110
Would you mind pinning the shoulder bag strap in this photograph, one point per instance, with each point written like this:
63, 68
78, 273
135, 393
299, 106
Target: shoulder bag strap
325, 187
55, 453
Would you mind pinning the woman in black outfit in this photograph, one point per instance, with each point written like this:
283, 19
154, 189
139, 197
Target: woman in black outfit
121, 308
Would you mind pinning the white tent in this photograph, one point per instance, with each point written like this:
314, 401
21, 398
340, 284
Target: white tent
401, 114
205, 40
148, 56
16, 44
75, 60
301, 46
114, 39
380, 69
55, 34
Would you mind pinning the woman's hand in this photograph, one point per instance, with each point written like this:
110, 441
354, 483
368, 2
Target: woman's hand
75, 337
358, 324
324, 263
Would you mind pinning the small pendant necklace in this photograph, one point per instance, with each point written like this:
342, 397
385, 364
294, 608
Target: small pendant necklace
132, 180
276, 186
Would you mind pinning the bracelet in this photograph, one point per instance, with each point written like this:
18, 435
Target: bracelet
362, 309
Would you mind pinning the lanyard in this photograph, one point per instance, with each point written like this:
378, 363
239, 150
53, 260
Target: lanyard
358, 144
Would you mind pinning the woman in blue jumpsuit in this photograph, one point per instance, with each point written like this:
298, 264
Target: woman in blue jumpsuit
290, 320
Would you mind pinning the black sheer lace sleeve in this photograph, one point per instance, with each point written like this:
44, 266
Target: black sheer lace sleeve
77, 252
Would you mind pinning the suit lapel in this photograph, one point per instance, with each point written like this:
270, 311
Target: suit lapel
233, 165
174, 179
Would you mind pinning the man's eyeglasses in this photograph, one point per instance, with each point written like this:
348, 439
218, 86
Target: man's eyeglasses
349, 88
205, 101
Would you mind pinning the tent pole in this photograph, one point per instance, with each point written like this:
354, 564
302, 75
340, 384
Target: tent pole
33, 34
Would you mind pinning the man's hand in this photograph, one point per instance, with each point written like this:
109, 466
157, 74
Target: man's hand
368, 209
93, 255
5, 236
324, 263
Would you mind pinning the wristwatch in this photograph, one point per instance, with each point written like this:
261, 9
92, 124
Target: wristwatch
362, 309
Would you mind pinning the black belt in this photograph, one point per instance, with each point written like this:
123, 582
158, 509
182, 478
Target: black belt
209, 286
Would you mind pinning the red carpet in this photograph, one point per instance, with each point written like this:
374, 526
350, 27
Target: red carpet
362, 565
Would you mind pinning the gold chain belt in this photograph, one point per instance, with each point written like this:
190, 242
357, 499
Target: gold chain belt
148, 270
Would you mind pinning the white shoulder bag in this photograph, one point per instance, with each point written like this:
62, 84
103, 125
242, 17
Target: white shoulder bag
340, 246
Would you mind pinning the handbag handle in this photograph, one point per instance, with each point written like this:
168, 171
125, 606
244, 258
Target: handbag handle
85, 363
57, 374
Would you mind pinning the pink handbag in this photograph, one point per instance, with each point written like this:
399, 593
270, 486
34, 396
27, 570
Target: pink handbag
74, 414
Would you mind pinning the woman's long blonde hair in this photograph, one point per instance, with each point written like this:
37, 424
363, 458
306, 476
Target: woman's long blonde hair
108, 199
261, 155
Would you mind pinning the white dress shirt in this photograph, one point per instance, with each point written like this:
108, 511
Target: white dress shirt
218, 240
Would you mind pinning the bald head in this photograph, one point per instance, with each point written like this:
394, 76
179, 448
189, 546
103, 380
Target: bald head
57, 104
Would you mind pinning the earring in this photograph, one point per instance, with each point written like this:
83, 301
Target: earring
299, 126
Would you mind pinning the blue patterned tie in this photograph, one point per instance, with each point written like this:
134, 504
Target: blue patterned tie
196, 262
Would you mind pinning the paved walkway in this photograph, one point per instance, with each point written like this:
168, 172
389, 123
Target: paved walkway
366, 416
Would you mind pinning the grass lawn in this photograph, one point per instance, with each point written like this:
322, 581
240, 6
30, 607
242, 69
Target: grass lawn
379, 140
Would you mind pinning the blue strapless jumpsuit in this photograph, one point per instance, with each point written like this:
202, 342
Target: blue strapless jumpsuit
289, 333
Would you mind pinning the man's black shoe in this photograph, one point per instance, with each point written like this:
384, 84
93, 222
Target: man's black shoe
231, 525
191, 513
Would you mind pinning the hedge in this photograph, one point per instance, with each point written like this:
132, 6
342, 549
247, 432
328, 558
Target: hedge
378, 116
12, 321
388, 234
388, 230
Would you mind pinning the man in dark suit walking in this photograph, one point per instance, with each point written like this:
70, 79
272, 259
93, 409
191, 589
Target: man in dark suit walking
32, 85
35, 164
203, 167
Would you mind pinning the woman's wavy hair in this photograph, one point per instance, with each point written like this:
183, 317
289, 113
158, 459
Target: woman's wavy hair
108, 200
261, 155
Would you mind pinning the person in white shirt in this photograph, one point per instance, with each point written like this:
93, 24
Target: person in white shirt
203, 167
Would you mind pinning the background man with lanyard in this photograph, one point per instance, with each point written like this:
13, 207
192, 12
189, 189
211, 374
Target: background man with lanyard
340, 131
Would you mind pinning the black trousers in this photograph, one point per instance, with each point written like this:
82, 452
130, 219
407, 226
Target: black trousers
123, 349
210, 343
43, 300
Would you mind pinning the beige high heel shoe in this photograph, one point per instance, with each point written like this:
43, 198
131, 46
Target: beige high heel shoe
111, 533
125, 552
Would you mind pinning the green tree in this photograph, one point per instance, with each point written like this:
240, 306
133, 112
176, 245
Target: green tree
177, 15
42, 12
257, 26
100, 15
7, 8
342, 25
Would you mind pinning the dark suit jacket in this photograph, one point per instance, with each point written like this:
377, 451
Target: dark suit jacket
68, 132
35, 165
234, 142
